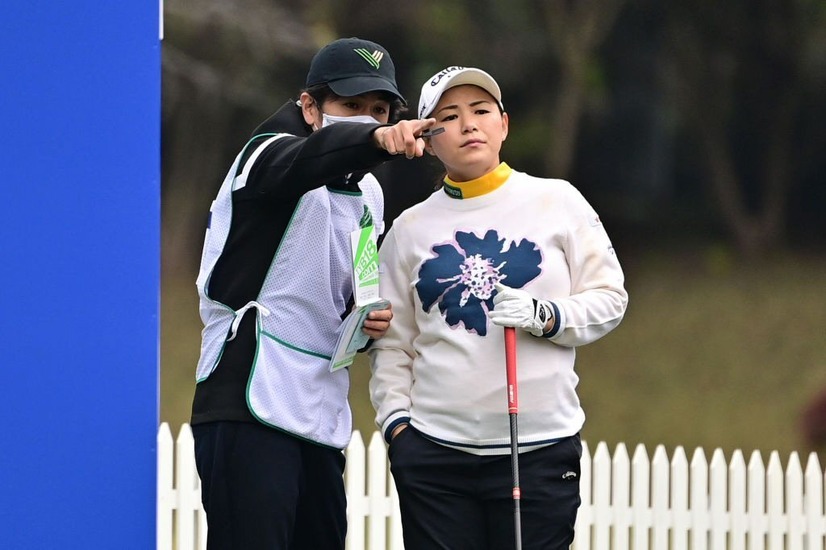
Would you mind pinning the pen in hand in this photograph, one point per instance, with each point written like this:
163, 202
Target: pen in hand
432, 132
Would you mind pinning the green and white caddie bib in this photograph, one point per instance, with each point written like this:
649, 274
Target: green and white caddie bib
298, 309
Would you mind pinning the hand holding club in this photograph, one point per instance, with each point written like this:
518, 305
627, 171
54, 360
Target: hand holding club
516, 308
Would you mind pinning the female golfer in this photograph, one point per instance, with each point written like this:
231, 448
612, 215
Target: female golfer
492, 248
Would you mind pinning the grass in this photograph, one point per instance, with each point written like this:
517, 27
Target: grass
710, 354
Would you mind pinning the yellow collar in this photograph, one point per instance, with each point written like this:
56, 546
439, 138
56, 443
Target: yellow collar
480, 186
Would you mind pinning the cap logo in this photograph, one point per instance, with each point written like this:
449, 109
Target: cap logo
443, 73
374, 59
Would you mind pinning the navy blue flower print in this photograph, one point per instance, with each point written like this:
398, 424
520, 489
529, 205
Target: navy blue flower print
462, 274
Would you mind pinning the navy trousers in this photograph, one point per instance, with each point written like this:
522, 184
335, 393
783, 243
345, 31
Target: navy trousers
453, 500
264, 489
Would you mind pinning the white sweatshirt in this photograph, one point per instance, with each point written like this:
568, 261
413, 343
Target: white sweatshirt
441, 365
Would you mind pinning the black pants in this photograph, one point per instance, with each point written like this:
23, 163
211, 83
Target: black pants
453, 500
263, 489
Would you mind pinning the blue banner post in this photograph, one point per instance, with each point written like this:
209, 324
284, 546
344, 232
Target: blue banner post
80, 274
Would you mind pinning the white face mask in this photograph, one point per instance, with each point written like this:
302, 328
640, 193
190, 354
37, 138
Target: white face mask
327, 120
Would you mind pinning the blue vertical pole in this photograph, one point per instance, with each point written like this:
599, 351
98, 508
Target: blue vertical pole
79, 273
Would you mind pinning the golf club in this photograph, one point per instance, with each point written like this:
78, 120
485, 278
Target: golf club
513, 410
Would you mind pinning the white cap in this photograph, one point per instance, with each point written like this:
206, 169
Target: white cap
455, 76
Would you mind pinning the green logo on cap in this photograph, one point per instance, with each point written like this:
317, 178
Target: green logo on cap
373, 58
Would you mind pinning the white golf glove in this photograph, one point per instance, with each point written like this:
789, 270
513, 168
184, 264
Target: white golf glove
516, 308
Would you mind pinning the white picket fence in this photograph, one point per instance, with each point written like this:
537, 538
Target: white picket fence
627, 503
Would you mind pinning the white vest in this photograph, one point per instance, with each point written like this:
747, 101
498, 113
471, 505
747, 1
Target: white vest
298, 309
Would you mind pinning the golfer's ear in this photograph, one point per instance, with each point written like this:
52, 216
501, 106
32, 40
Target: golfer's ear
505, 122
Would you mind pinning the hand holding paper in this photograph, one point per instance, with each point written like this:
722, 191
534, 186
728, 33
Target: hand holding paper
352, 337
370, 316
377, 322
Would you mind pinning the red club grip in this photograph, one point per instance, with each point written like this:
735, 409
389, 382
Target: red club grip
510, 365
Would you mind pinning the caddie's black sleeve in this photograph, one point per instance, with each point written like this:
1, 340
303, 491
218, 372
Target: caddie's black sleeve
291, 166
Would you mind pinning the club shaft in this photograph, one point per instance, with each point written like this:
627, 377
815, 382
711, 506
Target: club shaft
517, 491
513, 410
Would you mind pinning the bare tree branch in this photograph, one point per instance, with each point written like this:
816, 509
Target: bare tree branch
576, 30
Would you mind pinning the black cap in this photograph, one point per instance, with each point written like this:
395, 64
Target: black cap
352, 66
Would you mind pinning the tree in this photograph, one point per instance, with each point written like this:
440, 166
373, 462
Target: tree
575, 31
738, 82
225, 67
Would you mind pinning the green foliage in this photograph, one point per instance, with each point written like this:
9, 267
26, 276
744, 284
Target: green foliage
709, 358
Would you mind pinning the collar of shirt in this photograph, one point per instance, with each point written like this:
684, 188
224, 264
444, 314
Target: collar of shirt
479, 186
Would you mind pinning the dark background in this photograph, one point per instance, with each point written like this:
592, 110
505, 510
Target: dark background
696, 129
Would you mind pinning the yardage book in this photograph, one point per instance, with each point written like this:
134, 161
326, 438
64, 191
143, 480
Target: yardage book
366, 293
